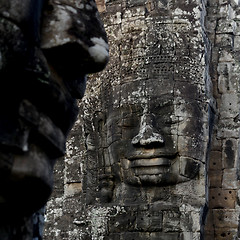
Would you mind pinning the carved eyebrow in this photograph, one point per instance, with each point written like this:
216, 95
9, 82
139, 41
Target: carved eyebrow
125, 108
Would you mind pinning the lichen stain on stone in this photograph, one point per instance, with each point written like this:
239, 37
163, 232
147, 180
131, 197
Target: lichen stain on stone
98, 217
72, 189
98, 220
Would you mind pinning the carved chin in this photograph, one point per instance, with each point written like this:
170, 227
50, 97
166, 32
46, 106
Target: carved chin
163, 179
29, 185
180, 171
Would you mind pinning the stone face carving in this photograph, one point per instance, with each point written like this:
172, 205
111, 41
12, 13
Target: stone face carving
46, 50
146, 128
147, 136
160, 53
155, 113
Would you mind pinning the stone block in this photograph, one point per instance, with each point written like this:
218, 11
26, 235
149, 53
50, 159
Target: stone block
213, 5
208, 229
225, 233
225, 26
143, 222
219, 198
113, 236
229, 105
234, 3
163, 236
189, 236
156, 223
209, 235
184, 142
237, 43
122, 223
72, 189
230, 180
211, 25
227, 126
225, 218
225, 56
225, 11
171, 221
224, 40
215, 160
215, 179
237, 30
72, 170
216, 145
136, 235
227, 80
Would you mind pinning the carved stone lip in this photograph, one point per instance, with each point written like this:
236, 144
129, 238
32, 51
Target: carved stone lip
152, 155
150, 162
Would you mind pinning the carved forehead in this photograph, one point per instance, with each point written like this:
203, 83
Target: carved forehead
157, 90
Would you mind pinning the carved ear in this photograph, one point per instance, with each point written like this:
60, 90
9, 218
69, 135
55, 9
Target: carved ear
106, 186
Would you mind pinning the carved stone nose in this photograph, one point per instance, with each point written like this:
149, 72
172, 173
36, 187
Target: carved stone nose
147, 134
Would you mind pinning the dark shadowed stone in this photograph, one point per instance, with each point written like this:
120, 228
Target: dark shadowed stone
38, 100
230, 154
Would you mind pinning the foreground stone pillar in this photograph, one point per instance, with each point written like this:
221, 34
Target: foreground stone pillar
46, 50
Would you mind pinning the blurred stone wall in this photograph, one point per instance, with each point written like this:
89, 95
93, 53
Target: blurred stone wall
183, 53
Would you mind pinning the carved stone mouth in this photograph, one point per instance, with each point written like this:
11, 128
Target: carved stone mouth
155, 156
156, 171
150, 162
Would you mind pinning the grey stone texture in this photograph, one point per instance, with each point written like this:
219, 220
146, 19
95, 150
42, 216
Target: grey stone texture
154, 153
